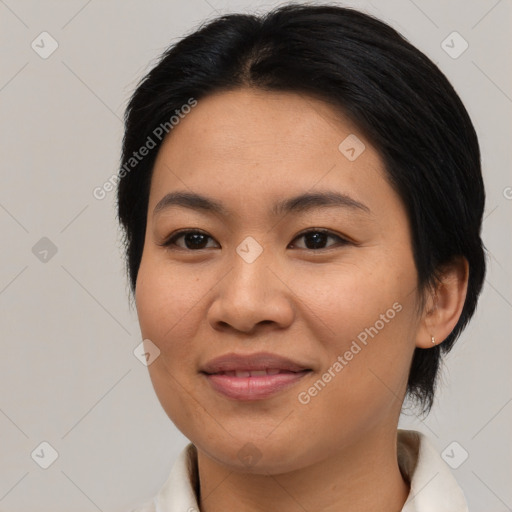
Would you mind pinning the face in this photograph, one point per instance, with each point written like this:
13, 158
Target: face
290, 246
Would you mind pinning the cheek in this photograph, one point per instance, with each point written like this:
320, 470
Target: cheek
165, 298
365, 318
356, 299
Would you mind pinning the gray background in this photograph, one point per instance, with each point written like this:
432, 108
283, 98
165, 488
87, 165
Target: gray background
68, 375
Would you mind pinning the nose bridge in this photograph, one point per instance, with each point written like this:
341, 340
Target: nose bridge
249, 250
250, 268
251, 293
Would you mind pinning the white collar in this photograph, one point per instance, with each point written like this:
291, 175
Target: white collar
433, 487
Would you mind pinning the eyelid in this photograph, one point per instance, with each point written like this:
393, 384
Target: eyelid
169, 241
343, 240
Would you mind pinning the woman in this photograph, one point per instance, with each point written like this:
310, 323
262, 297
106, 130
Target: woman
301, 197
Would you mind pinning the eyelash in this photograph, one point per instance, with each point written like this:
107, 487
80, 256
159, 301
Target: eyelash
170, 241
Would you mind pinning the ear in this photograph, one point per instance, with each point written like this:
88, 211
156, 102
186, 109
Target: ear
444, 304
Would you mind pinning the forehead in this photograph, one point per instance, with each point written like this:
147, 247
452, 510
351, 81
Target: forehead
249, 143
246, 120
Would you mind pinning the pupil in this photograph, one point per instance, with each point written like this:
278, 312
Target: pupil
317, 238
196, 240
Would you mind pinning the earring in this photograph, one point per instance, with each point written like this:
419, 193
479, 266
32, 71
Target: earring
433, 340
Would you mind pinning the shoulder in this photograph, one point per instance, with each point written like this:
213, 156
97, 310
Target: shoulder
179, 492
432, 485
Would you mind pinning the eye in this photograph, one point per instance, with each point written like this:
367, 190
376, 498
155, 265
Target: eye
317, 238
193, 240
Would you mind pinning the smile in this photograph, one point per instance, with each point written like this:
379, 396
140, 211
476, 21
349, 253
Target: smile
253, 384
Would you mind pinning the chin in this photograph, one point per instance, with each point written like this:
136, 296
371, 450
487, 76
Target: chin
257, 456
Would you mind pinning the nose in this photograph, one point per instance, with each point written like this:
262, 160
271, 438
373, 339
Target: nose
252, 296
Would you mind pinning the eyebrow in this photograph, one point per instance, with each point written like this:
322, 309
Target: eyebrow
298, 204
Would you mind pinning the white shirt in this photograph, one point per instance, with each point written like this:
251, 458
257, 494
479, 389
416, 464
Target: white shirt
433, 487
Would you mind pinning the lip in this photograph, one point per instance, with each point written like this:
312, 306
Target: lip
259, 361
283, 373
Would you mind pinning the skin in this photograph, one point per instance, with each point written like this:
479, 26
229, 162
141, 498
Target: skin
249, 149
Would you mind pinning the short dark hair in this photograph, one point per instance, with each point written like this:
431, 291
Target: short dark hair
396, 96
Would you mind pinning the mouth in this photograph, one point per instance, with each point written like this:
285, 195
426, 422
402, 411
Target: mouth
252, 377
261, 361
253, 373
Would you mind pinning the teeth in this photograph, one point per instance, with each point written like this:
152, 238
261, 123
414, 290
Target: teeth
252, 373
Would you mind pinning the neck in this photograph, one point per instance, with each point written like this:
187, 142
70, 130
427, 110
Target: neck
361, 477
